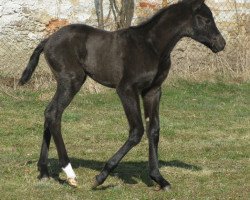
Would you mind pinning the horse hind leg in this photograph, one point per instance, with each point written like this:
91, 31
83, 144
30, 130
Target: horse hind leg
43, 160
67, 87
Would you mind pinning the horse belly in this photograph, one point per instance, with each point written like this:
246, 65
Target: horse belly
105, 75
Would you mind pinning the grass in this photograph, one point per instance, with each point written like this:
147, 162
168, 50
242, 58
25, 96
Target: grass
204, 145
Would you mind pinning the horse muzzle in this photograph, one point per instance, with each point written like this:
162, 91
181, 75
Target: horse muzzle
219, 44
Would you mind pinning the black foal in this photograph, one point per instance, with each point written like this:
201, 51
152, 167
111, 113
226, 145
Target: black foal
135, 61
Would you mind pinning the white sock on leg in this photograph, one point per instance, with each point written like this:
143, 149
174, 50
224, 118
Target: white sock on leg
69, 171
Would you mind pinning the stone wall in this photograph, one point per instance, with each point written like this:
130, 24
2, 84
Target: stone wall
33, 19
23, 23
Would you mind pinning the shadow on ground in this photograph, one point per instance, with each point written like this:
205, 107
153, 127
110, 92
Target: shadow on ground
127, 171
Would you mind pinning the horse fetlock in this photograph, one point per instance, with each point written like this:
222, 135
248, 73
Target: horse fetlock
154, 174
69, 171
44, 172
157, 177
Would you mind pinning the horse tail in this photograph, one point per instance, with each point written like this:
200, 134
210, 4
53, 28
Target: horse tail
33, 62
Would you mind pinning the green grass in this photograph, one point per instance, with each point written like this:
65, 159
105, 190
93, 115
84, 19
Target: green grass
204, 145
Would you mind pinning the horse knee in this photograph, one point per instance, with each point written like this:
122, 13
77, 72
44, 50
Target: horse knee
136, 135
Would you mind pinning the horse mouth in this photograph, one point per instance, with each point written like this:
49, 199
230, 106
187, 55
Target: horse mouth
218, 45
215, 49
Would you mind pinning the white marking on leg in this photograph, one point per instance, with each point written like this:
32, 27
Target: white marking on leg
147, 119
69, 171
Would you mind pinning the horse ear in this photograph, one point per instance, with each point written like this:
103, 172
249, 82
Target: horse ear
195, 4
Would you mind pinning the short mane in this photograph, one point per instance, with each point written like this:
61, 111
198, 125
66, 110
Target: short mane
152, 20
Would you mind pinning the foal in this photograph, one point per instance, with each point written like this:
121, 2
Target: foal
135, 61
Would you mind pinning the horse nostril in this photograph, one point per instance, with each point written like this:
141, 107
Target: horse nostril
221, 43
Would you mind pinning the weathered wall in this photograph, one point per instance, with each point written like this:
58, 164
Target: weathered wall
31, 19
23, 23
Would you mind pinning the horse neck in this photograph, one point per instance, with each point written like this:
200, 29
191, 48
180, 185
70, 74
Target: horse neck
169, 29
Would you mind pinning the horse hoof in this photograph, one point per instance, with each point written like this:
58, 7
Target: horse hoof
166, 188
95, 184
43, 177
72, 182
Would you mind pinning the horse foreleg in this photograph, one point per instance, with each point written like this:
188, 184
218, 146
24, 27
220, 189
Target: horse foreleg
130, 100
151, 109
